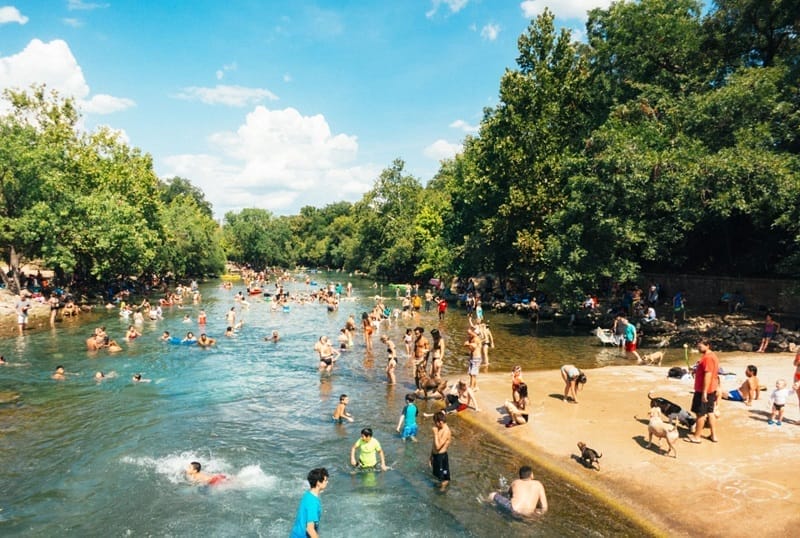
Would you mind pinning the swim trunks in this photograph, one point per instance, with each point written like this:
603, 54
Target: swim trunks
699, 407
474, 366
735, 396
630, 347
409, 431
327, 360
503, 502
217, 479
440, 464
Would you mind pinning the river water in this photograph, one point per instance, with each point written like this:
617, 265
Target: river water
82, 458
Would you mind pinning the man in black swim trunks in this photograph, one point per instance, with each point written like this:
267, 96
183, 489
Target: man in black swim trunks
442, 436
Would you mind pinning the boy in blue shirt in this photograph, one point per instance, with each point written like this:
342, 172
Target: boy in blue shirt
306, 524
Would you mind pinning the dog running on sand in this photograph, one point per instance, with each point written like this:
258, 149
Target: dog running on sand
589, 456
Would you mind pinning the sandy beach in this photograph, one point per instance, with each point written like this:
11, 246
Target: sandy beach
740, 485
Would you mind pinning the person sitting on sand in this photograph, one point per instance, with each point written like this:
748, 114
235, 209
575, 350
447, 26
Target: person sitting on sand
525, 497
459, 398
518, 409
573, 380
195, 474
749, 390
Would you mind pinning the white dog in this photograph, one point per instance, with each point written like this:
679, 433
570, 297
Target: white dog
661, 430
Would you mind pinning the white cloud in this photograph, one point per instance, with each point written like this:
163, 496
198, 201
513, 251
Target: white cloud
287, 77
225, 68
454, 5
75, 5
490, 31
75, 23
11, 14
442, 149
563, 9
221, 94
464, 126
279, 160
106, 104
54, 65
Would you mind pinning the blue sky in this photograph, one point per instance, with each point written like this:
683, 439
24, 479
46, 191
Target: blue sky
273, 104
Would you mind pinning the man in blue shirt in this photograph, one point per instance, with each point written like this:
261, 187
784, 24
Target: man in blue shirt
306, 524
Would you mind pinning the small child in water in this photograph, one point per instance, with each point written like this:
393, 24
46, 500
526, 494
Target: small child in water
409, 416
341, 414
778, 399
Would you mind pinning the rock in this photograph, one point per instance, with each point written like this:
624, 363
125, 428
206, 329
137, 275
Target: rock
745, 346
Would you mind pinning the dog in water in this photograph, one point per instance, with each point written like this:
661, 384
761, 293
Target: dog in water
589, 456
672, 411
652, 358
661, 430
426, 384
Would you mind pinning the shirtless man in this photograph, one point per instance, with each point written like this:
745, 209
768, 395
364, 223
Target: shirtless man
195, 474
327, 355
440, 464
206, 341
526, 496
58, 375
749, 390
421, 350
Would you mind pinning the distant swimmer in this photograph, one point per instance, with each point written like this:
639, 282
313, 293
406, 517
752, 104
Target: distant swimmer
3, 360
99, 376
195, 474
58, 375
206, 341
137, 378
273, 338
526, 496
165, 337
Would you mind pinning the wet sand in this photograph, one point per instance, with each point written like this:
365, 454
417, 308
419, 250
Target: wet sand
743, 484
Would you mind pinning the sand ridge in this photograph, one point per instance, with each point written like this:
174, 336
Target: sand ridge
746, 481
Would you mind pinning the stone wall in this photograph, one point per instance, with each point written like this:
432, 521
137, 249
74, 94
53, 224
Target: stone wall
760, 294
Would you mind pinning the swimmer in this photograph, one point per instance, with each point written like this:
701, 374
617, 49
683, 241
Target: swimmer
229, 332
58, 375
165, 337
3, 360
187, 319
189, 339
526, 496
340, 414
137, 378
132, 333
274, 338
99, 376
202, 317
195, 474
205, 341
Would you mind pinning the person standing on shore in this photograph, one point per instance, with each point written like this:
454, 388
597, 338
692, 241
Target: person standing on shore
771, 328
572, 377
440, 462
473, 345
706, 381
309, 512
22, 307
525, 497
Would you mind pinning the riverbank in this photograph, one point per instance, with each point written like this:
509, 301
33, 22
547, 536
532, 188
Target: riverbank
744, 482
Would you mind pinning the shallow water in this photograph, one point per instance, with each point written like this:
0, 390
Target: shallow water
83, 458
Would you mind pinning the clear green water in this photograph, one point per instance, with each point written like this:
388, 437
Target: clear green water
81, 458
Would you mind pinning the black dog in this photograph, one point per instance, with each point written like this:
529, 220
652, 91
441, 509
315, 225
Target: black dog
589, 456
672, 410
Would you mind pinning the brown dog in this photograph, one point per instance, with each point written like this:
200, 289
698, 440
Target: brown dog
661, 430
589, 456
426, 383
